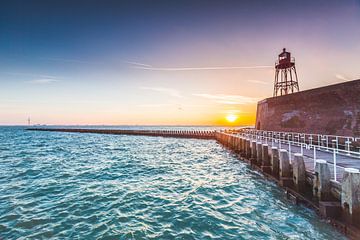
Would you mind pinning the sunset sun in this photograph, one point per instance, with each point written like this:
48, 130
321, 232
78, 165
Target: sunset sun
231, 118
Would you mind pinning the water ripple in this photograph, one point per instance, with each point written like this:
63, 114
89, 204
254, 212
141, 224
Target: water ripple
90, 186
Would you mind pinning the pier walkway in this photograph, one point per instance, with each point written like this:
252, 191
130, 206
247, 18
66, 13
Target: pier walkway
337, 154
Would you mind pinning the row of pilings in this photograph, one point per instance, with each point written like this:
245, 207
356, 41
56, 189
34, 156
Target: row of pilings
337, 202
199, 134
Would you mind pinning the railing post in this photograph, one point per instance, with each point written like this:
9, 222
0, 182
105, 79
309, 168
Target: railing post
279, 143
334, 157
314, 156
327, 143
337, 143
348, 146
289, 151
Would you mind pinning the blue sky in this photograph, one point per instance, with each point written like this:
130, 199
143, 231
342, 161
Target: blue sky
164, 62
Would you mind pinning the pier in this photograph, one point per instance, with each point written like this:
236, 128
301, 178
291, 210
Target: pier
320, 171
198, 134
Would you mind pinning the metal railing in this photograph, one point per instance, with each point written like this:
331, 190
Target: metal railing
334, 145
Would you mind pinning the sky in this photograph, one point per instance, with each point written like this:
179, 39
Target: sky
165, 62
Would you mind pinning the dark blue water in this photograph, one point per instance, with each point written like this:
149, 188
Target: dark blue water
90, 186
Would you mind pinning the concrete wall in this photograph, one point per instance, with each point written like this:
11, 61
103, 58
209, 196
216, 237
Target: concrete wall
333, 109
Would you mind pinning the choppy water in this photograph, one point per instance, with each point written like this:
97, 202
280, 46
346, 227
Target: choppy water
89, 186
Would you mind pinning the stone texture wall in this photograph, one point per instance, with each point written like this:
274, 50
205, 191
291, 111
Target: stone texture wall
333, 109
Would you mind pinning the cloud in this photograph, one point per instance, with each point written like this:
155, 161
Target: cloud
137, 64
341, 77
168, 91
227, 99
151, 68
43, 81
30, 75
259, 82
37, 78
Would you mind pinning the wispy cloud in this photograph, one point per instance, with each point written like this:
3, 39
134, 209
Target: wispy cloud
168, 91
227, 99
342, 77
30, 75
259, 82
35, 78
151, 68
43, 81
136, 64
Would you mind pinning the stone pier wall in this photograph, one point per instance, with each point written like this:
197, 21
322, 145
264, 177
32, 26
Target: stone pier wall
332, 110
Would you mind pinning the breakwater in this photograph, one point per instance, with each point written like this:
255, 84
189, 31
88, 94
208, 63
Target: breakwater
199, 134
339, 202
334, 200
332, 109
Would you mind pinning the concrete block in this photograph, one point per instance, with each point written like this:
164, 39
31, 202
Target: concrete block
253, 149
284, 166
350, 196
242, 145
275, 161
330, 209
248, 148
258, 153
237, 145
299, 173
265, 155
321, 182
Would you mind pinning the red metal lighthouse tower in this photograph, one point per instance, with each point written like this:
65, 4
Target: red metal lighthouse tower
288, 81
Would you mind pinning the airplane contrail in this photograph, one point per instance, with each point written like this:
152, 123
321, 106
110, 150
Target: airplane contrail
198, 68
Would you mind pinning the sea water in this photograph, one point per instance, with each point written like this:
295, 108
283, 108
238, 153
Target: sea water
92, 186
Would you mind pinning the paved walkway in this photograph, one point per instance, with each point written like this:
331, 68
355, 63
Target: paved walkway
342, 160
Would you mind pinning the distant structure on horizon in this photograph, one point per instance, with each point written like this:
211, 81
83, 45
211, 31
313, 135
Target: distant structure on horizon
288, 81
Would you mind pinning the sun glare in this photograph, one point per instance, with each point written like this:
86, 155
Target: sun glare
231, 118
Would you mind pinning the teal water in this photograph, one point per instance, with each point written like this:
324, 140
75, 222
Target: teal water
90, 186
